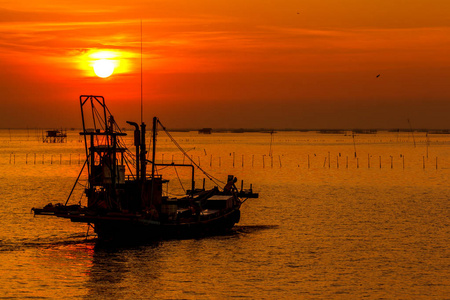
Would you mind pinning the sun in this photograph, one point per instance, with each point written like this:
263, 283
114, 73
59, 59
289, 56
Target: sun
104, 67
105, 63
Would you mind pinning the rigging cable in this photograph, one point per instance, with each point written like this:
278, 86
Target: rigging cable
175, 168
210, 177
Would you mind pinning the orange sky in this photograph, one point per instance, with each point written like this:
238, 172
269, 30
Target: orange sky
273, 64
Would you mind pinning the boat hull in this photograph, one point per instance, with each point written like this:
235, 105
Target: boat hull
143, 229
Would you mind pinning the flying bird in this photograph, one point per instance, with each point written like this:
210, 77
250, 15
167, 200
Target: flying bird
378, 75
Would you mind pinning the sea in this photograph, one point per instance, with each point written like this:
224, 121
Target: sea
340, 215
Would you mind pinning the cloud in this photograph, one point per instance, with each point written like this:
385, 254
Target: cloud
232, 52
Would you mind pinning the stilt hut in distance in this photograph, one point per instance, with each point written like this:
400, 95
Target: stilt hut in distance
205, 131
55, 136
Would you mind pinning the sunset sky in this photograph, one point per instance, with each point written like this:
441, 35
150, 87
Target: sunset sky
226, 63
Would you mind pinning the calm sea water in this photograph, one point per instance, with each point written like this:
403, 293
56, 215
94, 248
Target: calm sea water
326, 225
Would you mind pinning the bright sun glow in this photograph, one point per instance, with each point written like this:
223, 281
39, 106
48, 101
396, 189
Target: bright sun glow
104, 67
104, 63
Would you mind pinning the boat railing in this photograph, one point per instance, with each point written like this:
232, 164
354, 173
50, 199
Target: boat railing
148, 177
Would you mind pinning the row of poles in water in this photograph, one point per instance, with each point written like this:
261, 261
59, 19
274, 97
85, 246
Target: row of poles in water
371, 163
267, 160
35, 159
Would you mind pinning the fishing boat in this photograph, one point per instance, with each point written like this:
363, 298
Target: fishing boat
125, 202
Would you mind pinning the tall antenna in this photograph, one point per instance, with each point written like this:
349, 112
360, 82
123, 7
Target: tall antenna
142, 102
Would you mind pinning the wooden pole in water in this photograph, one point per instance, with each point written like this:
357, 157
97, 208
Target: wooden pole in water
234, 156
357, 163
70, 158
346, 164
26, 159
436, 163
392, 162
329, 160
279, 158
308, 162
271, 140
380, 161
368, 161
412, 133
242, 160
337, 161
35, 158
423, 161
263, 161
403, 159
210, 161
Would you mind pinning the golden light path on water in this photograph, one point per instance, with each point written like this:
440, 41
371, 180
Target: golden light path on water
326, 225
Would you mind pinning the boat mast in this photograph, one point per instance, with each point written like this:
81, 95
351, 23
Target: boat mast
143, 154
142, 146
137, 143
142, 96
153, 156
154, 146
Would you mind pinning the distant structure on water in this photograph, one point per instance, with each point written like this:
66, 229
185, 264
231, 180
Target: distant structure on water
365, 131
331, 131
55, 136
239, 130
205, 131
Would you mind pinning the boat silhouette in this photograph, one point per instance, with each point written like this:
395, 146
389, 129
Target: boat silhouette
124, 205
